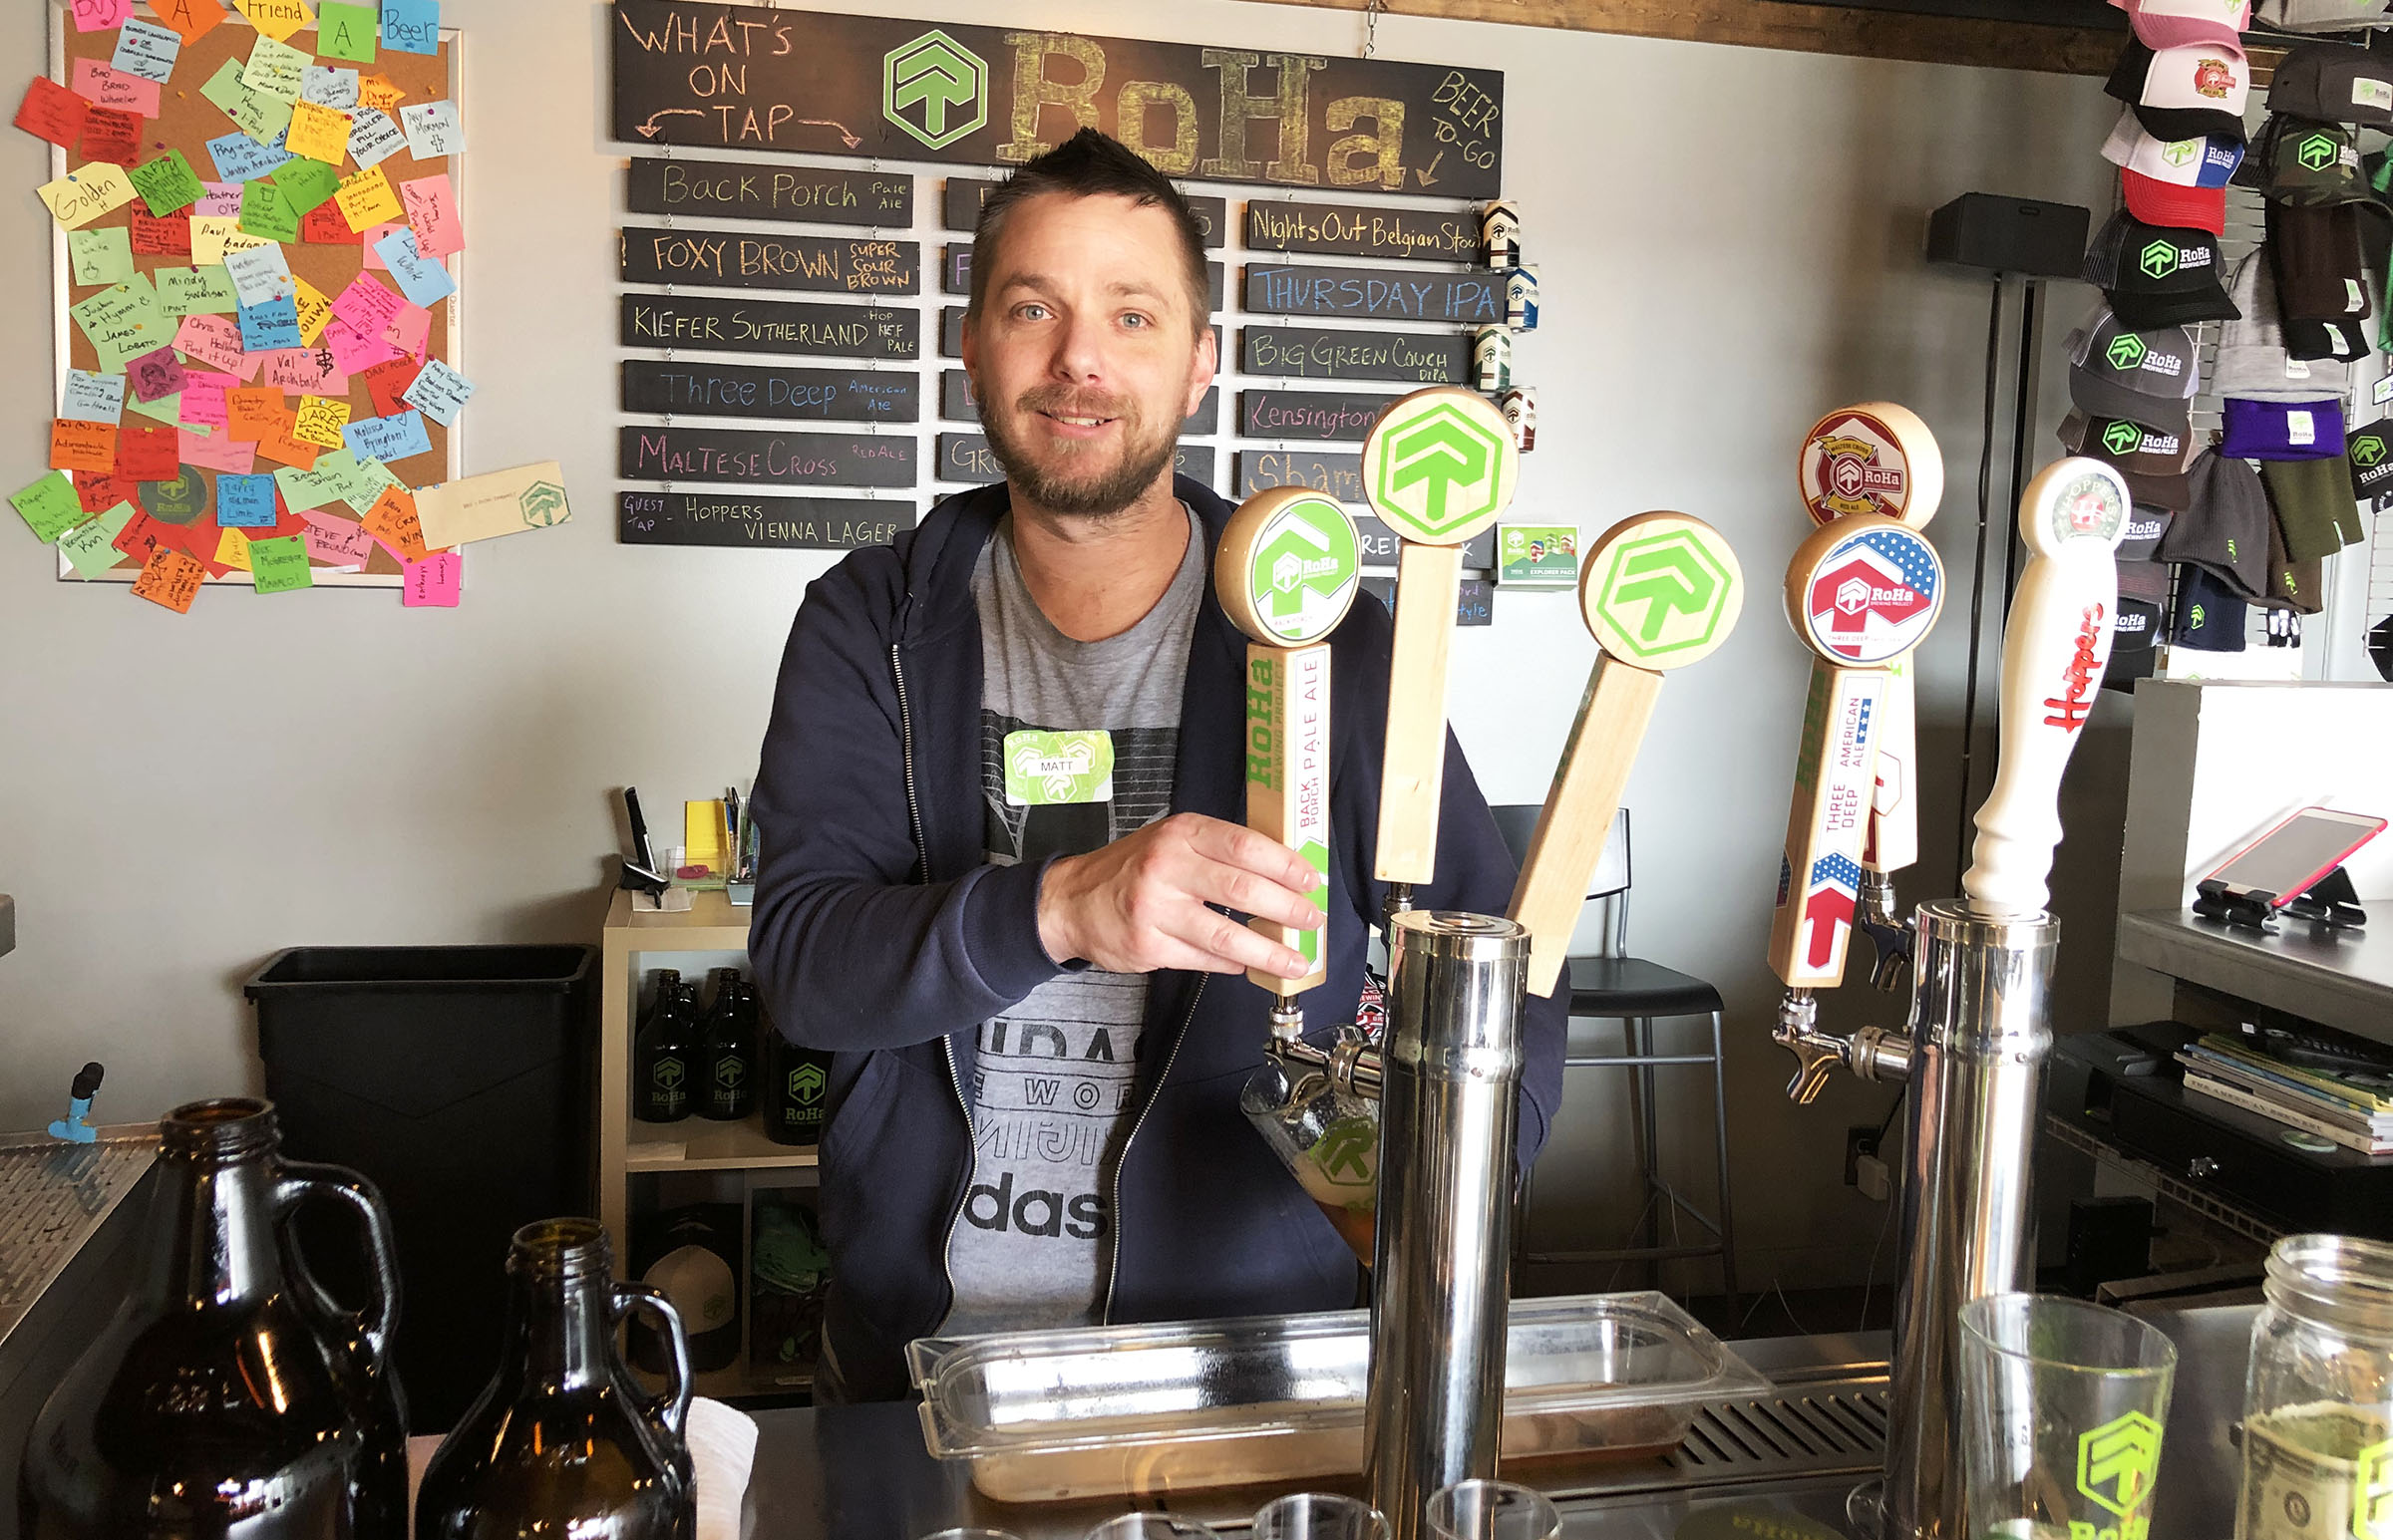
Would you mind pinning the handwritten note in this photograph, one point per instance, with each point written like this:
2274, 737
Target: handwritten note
146, 50
148, 453
388, 438
277, 19
49, 506
258, 274
79, 445
190, 291
347, 31
193, 19
100, 86
421, 278
167, 409
379, 93
233, 549
314, 310
432, 215
280, 565
373, 137
275, 69
155, 374
83, 194
140, 537
392, 520
272, 325
324, 226
168, 183
171, 236
440, 391
366, 199
265, 213
168, 578
212, 340
389, 382
204, 393
253, 413
222, 200
328, 85
99, 15
51, 112
214, 238
101, 256
353, 351
319, 133
432, 130
111, 137
483, 507
92, 398
320, 421
90, 545
306, 185
433, 582
122, 322
338, 542
261, 116
408, 331
246, 502
239, 158
216, 452
312, 371
412, 26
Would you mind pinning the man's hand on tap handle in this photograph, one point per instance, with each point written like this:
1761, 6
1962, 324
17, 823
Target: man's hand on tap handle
1145, 901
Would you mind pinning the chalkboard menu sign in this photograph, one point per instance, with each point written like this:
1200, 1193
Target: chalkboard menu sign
1474, 602
732, 519
758, 189
696, 454
723, 325
967, 457
1324, 416
778, 390
952, 331
956, 274
961, 207
1380, 544
1376, 293
745, 260
956, 403
1341, 475
1335, 229
1406, 357
759, 78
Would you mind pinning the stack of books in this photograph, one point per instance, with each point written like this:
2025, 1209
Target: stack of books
2354, 1111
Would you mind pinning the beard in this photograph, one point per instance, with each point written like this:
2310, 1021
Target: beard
1079, 480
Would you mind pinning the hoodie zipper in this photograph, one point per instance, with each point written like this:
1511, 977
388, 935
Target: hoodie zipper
955, 1082
1112, 1274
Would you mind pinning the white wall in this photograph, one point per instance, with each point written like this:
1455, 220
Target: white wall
1729, 241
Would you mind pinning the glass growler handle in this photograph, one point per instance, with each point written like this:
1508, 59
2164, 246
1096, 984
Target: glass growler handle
672, 1408
301, 1182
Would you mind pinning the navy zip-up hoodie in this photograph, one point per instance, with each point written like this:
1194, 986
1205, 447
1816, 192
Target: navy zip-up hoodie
883, 935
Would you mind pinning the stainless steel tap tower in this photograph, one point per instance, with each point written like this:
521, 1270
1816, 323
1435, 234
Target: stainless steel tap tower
1978, 1030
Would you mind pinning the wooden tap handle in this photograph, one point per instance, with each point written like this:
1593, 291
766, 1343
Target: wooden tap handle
1658, 591
1820, 871
1893, 837
1437, 467
2055, 647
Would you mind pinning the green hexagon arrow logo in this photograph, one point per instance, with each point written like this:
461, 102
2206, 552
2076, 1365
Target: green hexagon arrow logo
2120, 437
2125, 351
1441, 472
1304, 569
805, 1084
2367, 449
944, 82
2318, 152
1662, 594
2116, 1462
2158, 259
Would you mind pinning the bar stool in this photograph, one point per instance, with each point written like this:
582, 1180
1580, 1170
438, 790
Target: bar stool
1613, 985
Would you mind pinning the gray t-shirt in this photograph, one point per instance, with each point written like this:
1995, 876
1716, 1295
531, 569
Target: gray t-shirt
1058, 1071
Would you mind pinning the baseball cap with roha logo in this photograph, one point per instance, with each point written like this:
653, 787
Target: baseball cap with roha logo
2143, 376
2334, 82
2188, 162
2146, 524
2156, 276
2170, 204
2305, 160
2184, 91
2135, 448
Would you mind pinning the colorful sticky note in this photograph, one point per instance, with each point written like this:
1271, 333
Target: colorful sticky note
212, 340
412, 26
392, 520
305, 185
319, 420
305, 489
190, 291
253, 413
147, 453
49, 505
410, 330
171, 236
78, 445
274, 323
122, 322
99, 15
373, 137
280, 565
167, 409
155, 376
319, 133
90, 545
138, 537
292, 455
168, 183
366, 199
421, 278
346, 31
217, 239
367, 305
169, 580
258, 274
246, 502
239, 158
193, 19
103, 255
146, 49
110, 138
222, 200
310, 371
204, 393
388, 438
440, 391
431, 207
325, 226
233, 549
314, 310
265, 213
328, 85
255, 114
353, 351
275, 69
432, 130
433, 582
92, 398
51, 112
338, 542
388, 382
100, 86
216, 452
86, 193
277, 19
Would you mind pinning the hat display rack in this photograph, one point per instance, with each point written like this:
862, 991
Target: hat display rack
2233, 371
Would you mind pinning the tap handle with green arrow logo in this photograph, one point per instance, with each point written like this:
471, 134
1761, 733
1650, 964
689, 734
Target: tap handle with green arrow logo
1659, 591
1437, 467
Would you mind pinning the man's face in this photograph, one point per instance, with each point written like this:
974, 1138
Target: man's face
1087, 358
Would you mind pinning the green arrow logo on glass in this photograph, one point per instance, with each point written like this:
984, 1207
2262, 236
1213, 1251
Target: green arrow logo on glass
1307, 565
935, 89
1440, 471
2116, 1462
1347, 1152
805, 1084
1663, 594
2158, 259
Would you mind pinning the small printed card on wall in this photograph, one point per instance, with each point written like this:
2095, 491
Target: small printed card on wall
1536, 555
484, 507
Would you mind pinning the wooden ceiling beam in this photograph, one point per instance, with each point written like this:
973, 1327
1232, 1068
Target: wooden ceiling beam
1817, 29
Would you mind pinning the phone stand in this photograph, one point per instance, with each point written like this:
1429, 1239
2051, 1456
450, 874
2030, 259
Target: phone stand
2331, 901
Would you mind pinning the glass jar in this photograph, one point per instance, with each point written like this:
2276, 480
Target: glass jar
2319, 1403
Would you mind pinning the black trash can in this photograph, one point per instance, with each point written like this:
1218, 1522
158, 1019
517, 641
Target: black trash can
460, 1080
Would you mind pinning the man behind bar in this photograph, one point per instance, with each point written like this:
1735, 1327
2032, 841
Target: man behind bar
1034, 991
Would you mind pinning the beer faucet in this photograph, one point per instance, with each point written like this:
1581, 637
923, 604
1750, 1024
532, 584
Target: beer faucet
1978, 1032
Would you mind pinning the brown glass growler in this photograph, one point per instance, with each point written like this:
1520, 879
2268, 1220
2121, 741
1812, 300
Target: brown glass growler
227, 1400
564, 1440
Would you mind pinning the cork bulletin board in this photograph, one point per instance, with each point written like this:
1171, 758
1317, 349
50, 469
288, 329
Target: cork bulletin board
327, 258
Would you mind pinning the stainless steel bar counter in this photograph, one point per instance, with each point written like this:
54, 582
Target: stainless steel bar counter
862, 1473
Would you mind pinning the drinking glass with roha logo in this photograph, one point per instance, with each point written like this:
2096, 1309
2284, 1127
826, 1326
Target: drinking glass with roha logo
2063, 1405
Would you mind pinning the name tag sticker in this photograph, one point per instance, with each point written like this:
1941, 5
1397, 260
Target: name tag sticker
1049, 769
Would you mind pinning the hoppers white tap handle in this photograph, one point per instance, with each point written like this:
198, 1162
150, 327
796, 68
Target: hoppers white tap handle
2054, 648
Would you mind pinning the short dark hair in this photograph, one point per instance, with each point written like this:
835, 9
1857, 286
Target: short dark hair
1092, 165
